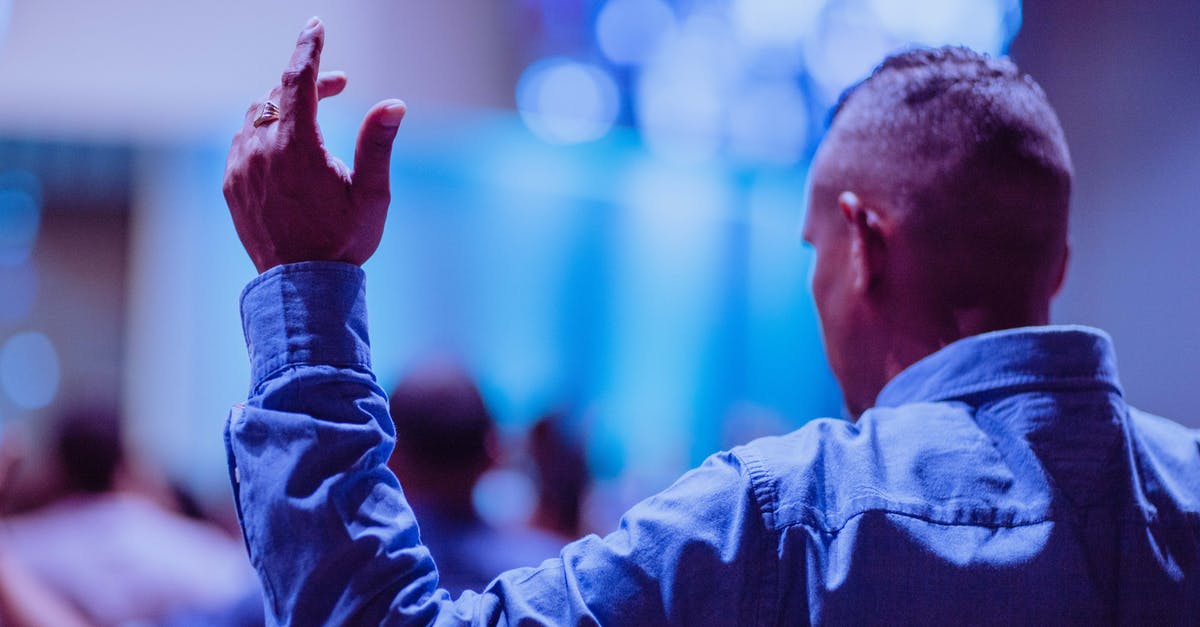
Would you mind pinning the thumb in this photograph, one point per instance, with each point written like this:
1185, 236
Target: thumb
373, 152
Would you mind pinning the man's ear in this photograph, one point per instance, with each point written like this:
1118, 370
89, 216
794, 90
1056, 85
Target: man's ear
1062, 271
866, 240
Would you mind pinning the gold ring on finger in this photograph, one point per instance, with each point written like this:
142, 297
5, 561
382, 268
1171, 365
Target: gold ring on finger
268, 114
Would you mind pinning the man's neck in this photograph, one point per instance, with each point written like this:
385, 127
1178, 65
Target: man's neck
913, 342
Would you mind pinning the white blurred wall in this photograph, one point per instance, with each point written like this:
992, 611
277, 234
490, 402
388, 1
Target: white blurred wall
175, 71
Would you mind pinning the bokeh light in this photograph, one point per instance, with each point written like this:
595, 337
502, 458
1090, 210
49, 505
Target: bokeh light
769, 123
628, 31
849, 41
847, 46
504, 497
775, 23
20, 216
740, 80
977, 25
567, 102
681, 96
29, 370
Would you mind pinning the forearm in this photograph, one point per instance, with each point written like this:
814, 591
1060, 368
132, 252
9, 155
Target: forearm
325, 522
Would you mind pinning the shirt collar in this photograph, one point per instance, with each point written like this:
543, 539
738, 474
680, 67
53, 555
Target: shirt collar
1058, 356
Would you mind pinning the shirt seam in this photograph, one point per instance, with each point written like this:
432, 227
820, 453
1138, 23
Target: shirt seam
278, 273
276, 281
277, 371
1183, 520
250, 537
836, 529
764, 493
1081, 382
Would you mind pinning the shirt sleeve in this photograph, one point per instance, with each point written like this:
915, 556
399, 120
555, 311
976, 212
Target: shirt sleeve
334, 541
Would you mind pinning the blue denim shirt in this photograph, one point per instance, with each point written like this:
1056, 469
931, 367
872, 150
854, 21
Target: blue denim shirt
1000, 480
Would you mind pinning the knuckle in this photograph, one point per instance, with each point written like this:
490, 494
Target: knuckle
287, 142
256, 160
293, 77
300, 144
311, 39
235, 180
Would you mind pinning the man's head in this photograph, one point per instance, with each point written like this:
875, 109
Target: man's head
938, 210
444, 436
88, 446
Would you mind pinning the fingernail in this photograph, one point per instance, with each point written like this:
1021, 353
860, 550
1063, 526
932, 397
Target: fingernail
393, 114
312, 23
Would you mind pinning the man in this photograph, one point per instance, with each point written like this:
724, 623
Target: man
445, 440
994, 473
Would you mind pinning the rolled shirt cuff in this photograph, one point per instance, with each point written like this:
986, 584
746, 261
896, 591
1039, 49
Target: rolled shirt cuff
307, 313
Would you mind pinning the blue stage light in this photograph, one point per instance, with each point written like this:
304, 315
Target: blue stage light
20, 216
567, 102
628, 31
775, 23
29, 370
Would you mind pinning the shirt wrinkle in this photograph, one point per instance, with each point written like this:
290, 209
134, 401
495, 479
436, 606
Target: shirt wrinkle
945, 501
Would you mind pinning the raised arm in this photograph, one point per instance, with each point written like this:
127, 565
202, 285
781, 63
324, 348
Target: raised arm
325, 522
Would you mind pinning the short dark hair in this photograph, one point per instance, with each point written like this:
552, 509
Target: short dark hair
921, 74
441, 419
960, 140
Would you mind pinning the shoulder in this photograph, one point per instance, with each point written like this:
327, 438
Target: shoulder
1162, 432
925, 460
1168, 458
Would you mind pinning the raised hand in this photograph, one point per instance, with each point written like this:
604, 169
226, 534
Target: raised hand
290, 199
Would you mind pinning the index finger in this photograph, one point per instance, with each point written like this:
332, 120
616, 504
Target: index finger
298, 94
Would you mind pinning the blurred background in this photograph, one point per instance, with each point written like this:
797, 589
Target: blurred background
596, 212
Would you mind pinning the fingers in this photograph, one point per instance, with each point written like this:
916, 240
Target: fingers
301, 86
298, 96
373, 152
330, 84
256, 107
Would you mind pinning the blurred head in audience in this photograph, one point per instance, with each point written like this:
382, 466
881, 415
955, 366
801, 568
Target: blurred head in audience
88, 448
562, 475
445, 437
938, 210
445, 440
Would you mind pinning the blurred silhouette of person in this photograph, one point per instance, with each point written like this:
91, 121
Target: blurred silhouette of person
116, 556
562, 477
25, 601
445, 440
